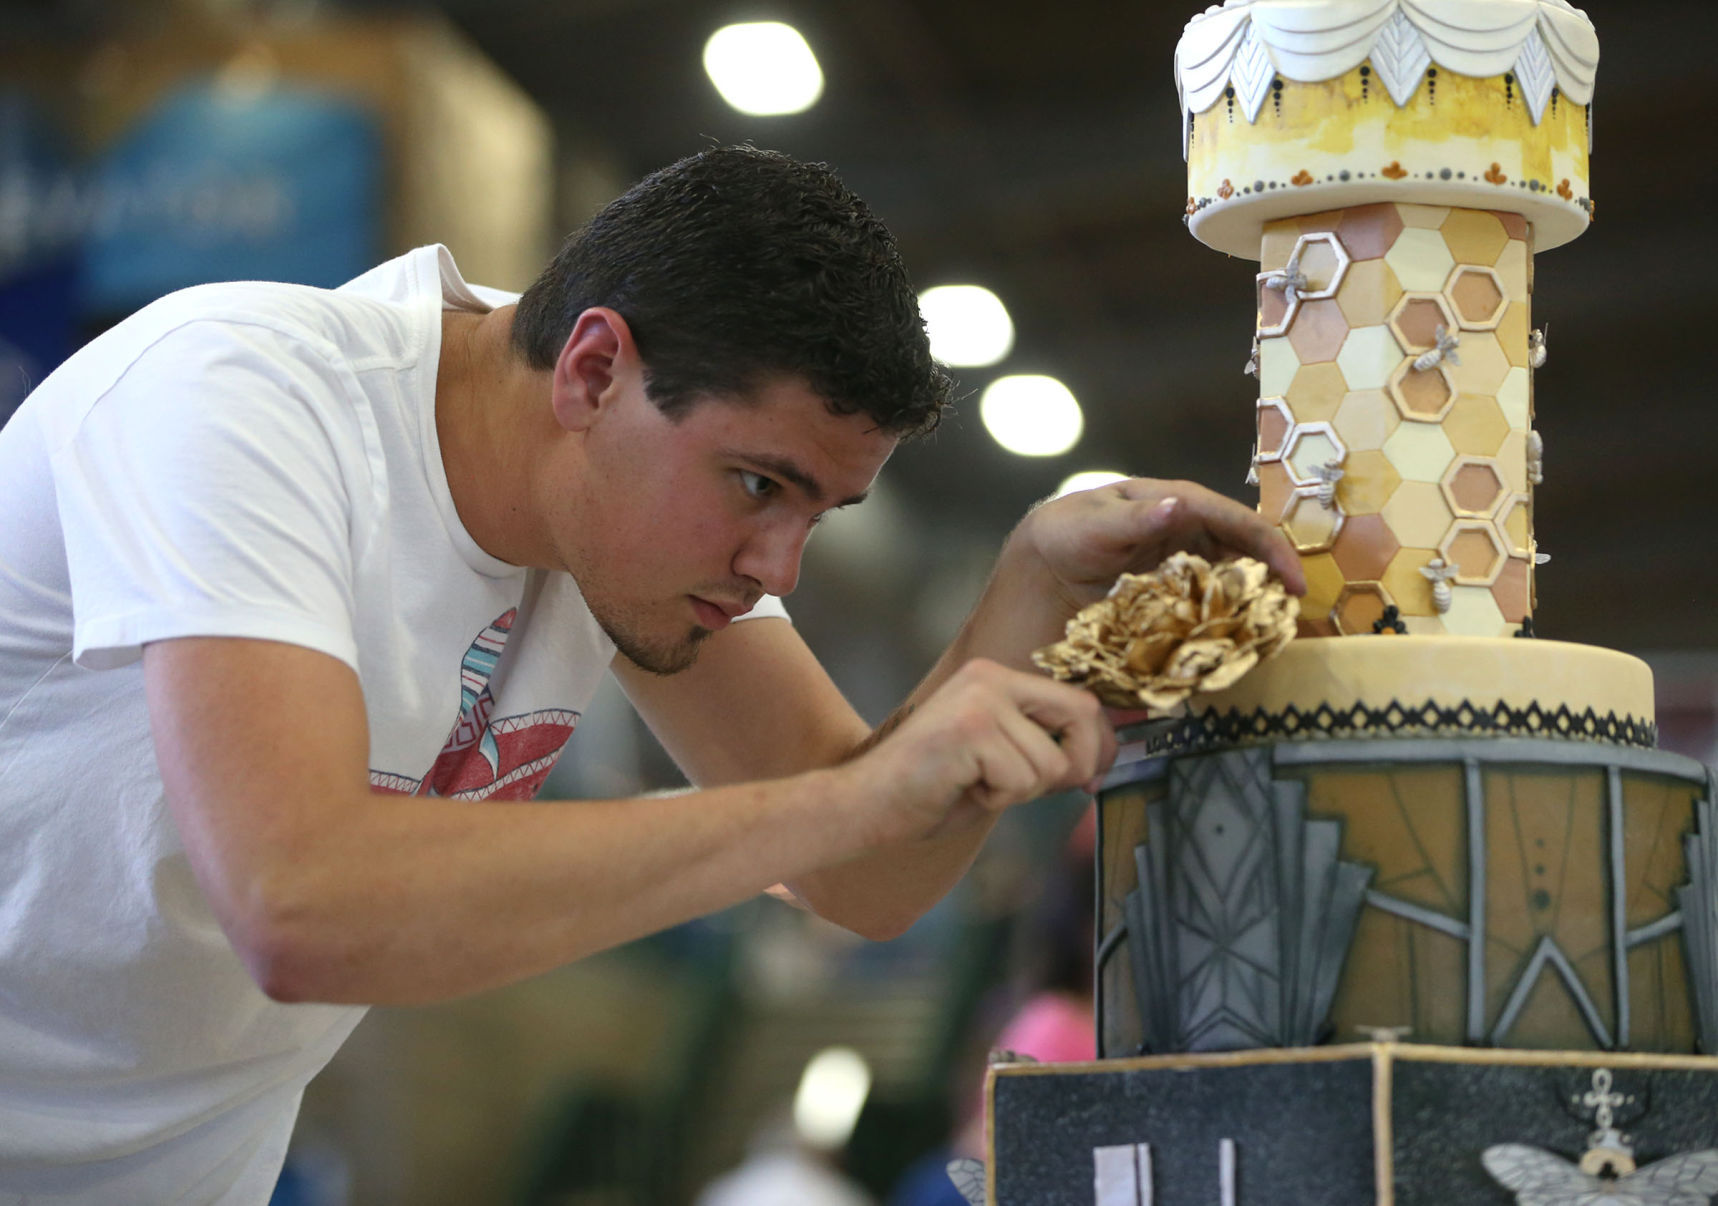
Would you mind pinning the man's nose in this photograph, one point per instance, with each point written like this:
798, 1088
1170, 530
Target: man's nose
772, 556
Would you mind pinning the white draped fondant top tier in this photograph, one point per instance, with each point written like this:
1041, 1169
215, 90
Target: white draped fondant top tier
1290, 93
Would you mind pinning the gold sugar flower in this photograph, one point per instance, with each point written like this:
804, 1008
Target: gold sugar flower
1187, 626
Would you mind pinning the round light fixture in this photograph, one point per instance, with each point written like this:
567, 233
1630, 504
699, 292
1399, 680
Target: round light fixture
1089, 479
832, 1091
968, 324
1031, 415
763, 68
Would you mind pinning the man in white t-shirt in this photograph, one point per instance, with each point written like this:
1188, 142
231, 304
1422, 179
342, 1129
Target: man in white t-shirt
295, 585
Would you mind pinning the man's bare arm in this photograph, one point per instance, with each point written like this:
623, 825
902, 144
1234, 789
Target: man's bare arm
757, 702
332, 892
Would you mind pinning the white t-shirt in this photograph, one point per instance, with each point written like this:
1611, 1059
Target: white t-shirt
249, 460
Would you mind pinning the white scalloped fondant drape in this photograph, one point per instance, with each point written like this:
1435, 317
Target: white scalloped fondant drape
1244, 43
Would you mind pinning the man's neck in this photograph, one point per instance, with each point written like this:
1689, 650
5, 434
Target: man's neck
488, 404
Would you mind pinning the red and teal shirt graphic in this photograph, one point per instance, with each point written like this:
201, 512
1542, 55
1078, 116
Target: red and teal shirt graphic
487, 757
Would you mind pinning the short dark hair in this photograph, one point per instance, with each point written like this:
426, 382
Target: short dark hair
736, 265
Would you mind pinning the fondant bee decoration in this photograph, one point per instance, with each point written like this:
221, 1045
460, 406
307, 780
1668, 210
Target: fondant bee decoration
1606, 1174
1540, 1178
1445, 350
968, 1177
1329, 474
1252, 369
1536, 353
1290, 280
1439, 572
1535, 458
1253, 469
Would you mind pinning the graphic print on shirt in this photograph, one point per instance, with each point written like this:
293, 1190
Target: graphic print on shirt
489, 758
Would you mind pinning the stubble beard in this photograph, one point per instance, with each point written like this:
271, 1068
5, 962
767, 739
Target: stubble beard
652, 656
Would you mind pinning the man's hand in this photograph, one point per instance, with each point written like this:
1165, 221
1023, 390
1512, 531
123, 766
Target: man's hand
987, 739
1083, 542
1068, 553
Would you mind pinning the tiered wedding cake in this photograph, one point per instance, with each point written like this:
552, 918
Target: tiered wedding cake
1414, 912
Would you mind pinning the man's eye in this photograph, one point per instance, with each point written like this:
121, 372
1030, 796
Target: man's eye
756, 484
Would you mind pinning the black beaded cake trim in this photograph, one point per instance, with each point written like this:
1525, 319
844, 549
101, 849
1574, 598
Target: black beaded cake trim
1212, 728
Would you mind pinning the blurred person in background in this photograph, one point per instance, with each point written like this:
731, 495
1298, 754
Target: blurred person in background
1052, 1020
302, 593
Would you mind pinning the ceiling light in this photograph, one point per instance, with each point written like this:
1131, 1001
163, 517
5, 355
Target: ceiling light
763, 68
968, 324
1031, 415
832, 1091
1090, 479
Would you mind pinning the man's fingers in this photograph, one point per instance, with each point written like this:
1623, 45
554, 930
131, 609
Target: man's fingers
1193, 516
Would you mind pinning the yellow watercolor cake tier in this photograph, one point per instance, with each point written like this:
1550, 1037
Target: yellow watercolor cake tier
1296, 106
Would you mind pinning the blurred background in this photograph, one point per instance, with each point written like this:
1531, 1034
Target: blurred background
1029, 150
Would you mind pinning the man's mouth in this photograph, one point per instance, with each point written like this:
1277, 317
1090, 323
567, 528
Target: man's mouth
714, 616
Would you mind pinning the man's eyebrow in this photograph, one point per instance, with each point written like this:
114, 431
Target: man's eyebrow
789, 472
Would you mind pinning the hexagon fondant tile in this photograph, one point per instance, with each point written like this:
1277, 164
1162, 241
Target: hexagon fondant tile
1514, 225
1367, 357
1419, 516
1358, 607
1369, 230
1276, 311
1364, 547
1424, 394
1275, 489
1475, 425
1368, 481
1420, 451
1277, 367
1323, 261
1323, 583
1417, 319
1512, 333
1427, 217
1278, 244
1316, 391
1515, 521
1512, 270
1473, 612
1365, 418
1514, 398
1421, 260
1476, 295
1310, 526
1474, 486
1364, 296
1402, 578
1424, 625
1510, 590
1476, 550
1318, 331
1483, 365
1274, 425
1512, 461
1474, 236
1311, 446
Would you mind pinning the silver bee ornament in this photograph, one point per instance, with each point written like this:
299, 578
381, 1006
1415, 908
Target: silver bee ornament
1535, 458
1329, 474
1444, 351
968, 1177
1438, 572
1536, 352
1606, 1174
1290, 280
1541, 1178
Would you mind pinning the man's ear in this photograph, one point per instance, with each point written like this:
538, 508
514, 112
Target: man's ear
597, 361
